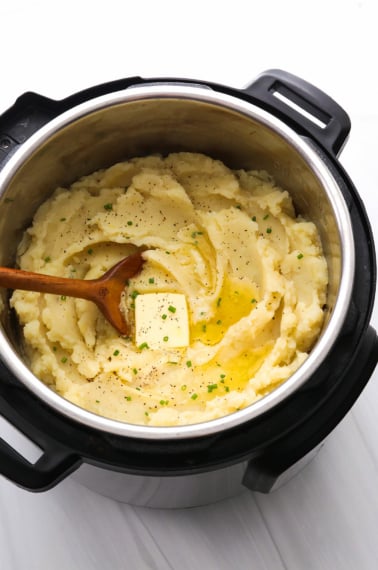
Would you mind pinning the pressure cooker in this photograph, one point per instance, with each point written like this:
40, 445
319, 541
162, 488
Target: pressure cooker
279, 123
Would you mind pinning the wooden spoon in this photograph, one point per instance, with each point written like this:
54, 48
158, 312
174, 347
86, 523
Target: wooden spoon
105, 291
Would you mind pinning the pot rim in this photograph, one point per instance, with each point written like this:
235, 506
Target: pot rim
201, 93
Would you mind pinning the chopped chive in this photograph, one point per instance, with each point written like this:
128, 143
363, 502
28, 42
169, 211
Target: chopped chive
97, 401
183, 387
171, 309
194, 396
253, 218
135, 370
219, 301
266, 217
116, 353
128, 398
134, 294
129, 223
219, 322
223, 376
47, 259
203, 328
227, 388
211, 387
268, 230
63, 359
146, 413
90, 251
189, 363
63, 297
151, 280
164, 317
62, 219
300, 255
165, 338
253, 300
143, 345
108, 206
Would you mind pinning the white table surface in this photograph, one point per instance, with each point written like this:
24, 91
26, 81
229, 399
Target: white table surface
327, 517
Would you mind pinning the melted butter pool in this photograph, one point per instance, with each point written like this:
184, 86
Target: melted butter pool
235, 301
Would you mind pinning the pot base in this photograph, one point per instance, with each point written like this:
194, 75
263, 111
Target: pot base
185, 491
176, 492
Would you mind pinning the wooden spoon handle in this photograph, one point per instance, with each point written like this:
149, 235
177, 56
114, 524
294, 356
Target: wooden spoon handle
105, 291
29, 281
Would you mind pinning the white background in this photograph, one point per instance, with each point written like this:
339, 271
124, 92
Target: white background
327, 517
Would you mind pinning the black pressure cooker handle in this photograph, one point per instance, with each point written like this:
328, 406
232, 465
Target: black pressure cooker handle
28, 114
277, 466
55, 463
32, 111
290, 97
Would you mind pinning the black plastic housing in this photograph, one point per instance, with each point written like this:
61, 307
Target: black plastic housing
271, 442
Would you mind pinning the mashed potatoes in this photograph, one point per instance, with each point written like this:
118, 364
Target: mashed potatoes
252, 273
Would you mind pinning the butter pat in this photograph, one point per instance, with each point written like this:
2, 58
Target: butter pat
161, 320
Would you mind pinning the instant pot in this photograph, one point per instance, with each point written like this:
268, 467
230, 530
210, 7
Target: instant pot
279, 123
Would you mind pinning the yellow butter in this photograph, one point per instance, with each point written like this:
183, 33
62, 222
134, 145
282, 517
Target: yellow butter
161, 320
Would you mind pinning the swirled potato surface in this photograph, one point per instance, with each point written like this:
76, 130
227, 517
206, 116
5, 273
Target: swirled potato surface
251, 273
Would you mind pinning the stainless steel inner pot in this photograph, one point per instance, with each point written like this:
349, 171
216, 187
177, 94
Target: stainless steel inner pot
163, 118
